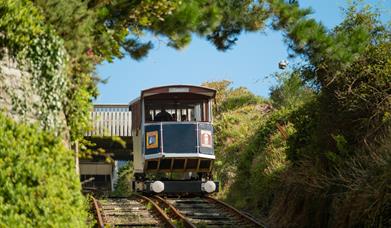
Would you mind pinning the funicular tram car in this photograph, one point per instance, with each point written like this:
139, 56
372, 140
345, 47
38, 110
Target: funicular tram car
173, 140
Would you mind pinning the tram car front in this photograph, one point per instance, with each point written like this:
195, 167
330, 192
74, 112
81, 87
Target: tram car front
173, 140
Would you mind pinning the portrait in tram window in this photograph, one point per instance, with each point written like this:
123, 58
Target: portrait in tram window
152, 140
206, 138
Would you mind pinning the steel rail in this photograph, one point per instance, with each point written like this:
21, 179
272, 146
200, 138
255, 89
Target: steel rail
236, 211
175, 211
161, 213
98, 214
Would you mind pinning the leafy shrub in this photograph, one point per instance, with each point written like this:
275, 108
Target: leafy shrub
261, 161
290, 90
239, 97
237, 114
39, 185
232, 130
124, 184
250, 146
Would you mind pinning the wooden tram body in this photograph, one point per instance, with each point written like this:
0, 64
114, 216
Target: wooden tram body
173, 140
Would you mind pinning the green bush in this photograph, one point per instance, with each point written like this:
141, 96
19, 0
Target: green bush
39, 185
124, 184
237, 114
260, 161
250, 148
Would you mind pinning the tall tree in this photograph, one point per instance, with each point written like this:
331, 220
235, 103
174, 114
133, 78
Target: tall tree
98, 30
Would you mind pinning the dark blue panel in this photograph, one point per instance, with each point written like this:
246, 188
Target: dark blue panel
179, 138
207, 148
152, 128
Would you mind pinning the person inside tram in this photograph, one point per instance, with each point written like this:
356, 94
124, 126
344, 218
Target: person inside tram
163, 116
148, 117
174, 118
183, 118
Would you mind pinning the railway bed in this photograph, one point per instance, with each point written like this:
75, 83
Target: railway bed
155, 211
209, 212
135, 211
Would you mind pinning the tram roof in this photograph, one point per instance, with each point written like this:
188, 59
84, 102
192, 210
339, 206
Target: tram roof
176, 89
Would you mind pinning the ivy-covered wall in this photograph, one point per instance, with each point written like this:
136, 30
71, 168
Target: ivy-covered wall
33, 59
29, 96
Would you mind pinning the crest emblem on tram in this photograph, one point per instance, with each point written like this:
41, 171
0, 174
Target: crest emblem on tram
152, 140
206, 138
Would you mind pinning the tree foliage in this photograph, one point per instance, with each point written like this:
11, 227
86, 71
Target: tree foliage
290, 90
352, 73
99, 30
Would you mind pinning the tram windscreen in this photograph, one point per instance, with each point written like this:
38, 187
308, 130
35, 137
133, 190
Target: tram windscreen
180, 111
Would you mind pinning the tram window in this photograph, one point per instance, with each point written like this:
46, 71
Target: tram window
148, 116
180, 111
197, 113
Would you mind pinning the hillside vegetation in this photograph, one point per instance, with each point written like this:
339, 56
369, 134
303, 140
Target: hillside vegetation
321, 157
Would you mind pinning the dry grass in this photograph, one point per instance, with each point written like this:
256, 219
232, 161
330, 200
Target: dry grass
356, 194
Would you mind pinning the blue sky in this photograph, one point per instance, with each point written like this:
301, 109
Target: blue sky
248, 64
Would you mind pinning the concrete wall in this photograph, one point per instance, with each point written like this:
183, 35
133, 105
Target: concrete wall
95, 168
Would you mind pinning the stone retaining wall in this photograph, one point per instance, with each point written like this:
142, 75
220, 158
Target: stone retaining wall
18, 97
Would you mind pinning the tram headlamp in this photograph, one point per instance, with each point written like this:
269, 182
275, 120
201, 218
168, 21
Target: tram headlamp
209, 186
157, 186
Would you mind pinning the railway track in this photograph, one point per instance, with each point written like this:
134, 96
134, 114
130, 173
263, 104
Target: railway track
136, 211
209, 212
155, 211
